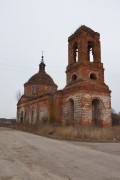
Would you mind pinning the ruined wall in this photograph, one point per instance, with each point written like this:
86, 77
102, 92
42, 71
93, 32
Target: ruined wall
83, 107
58, 101
40, 89
36, 110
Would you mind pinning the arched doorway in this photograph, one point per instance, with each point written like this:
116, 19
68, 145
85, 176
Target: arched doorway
70, 111
96, 112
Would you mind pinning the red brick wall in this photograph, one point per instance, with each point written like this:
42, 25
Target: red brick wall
83, 107
50, 104
58, 100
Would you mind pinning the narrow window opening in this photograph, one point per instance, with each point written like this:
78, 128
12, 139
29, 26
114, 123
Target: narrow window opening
70, 112
34, 89
25, 116
90, 51
76, 55
21, 117
91, 55
75, 52
96, 112
32, 115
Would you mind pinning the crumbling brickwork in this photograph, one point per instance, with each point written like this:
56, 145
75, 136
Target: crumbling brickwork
85, 99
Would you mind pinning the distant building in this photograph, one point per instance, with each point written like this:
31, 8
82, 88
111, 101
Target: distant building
84, 100
7, 120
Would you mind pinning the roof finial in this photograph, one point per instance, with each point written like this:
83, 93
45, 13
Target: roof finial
42, 60
42, 65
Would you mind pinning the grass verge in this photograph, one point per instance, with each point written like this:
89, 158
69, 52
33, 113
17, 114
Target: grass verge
80, 133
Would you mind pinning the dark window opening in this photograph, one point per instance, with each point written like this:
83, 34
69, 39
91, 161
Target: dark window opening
75, 52
70, 112
93, 76
74, 77
25, 116
32, 115
21, 117
96, 112
90, 51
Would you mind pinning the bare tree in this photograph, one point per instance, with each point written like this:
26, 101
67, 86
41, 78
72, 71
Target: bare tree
18, 95
115, 118
113, 111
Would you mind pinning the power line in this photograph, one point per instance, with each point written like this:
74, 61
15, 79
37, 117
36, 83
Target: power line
27, 68
24, 61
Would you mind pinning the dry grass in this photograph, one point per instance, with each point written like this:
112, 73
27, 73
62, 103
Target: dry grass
89, 133
70, 132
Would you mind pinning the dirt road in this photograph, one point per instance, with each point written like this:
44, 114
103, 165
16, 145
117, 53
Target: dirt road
25, 156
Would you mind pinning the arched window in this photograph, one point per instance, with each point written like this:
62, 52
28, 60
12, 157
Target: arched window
90, 51
74, 77
75, 52
32, 116
34, 89
21, 117
25, 116
93, 76
96, 112
70, 111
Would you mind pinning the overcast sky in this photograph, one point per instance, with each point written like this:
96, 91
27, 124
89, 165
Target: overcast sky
29, 26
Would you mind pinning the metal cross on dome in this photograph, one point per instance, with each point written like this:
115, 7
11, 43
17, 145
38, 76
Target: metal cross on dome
42, 57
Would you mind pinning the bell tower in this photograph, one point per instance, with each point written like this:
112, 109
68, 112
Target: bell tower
84, 57
86, 95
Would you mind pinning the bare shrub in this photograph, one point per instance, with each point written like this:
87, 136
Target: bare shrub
115, 118
18, 95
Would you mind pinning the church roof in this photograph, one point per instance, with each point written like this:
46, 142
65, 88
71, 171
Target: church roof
41, 76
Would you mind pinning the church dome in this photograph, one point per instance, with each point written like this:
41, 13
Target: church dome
41, 76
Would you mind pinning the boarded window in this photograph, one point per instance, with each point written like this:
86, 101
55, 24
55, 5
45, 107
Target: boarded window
34, 89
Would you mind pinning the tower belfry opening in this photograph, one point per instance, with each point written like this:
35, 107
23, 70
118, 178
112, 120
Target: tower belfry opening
85, 79
91, 56
76, 55
90, 51
75, 52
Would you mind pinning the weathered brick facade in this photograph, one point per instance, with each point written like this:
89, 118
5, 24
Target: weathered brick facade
85, 98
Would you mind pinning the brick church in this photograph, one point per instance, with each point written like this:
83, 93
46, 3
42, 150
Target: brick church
84, 100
